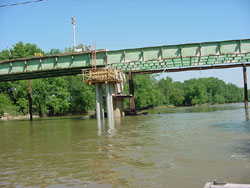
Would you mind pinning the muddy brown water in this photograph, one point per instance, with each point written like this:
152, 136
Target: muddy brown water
177, 147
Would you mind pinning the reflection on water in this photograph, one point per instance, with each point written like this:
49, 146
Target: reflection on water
177, 147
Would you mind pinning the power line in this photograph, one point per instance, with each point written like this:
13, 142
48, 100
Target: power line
23, 3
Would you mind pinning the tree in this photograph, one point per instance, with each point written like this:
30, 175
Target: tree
20, 96
172, 91
5, 55
20, 50
54, 51
195, 92
177, 98
82, 96
50, 96
6, 105
146, 91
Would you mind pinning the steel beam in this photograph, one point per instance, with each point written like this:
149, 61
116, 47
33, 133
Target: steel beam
131, 92
30, 100
245, 91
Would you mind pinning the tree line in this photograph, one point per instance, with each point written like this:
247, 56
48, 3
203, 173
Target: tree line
68, 95
152, 91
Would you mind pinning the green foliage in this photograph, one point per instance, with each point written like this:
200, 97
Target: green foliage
20, 96
54, 51
20, 50
82, 96
50, 96
146, 91
5, 55
58, 100
194, 92
172, 91
68, 49
6, 105
8, 89
199, 91
40, 95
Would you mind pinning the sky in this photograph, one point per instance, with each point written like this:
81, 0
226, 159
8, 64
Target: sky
120, 24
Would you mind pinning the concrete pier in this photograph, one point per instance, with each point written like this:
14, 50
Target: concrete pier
118, 107
99, 103
109, 101
114, 91
114, 104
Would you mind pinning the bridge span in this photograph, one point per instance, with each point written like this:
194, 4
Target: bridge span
146, 60
169, 58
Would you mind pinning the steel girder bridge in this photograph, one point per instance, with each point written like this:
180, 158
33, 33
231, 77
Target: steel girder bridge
193, 56
157, 59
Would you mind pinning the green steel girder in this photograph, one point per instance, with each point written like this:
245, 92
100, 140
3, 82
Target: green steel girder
135, 60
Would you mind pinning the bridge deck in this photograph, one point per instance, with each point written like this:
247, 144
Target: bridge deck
193, 56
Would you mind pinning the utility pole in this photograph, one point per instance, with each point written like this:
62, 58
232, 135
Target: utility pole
73, 21
245, 91
131, 92
30, 100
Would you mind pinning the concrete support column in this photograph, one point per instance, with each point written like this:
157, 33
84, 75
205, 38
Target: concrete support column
101, 102
98, 103
118, 107
245, 90
109, 101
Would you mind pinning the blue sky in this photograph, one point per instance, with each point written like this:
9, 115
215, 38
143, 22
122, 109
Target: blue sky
117, 24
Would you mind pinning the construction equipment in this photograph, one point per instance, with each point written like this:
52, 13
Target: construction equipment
103, 75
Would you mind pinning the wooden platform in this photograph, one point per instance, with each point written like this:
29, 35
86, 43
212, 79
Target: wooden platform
105, 76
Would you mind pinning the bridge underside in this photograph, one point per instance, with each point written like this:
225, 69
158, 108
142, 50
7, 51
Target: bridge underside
41, 74
77, 71
171, 58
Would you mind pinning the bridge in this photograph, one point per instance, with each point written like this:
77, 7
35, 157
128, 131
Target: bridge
206, 55
169, 58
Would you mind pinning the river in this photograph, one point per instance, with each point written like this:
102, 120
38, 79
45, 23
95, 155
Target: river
175, 148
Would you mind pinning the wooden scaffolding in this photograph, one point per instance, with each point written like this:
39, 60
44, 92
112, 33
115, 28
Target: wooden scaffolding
104, 76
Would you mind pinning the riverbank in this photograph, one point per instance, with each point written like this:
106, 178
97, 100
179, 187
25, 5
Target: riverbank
7, 116
91, 114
